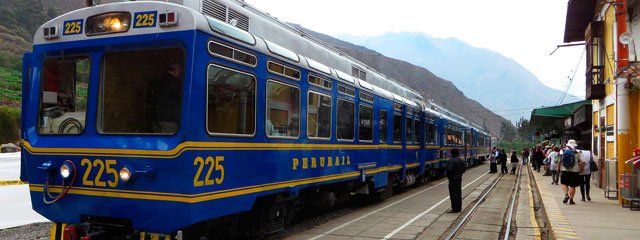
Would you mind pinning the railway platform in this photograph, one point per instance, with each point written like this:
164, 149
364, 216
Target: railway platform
600, 218
495, 207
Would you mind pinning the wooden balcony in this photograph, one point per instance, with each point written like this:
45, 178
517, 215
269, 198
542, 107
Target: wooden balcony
595, 87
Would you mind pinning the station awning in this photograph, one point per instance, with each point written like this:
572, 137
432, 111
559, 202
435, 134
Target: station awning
552, 116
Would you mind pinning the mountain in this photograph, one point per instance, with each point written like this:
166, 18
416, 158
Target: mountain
20, 18
420, 79
486, 76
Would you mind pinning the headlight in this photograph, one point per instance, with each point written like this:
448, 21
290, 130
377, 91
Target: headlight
125, 173
66, 170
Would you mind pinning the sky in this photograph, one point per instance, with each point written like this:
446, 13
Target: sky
526, 31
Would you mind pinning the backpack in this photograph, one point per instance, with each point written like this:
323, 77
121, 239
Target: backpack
568, 158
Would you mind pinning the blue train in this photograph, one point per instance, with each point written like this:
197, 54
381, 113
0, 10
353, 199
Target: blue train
175, 119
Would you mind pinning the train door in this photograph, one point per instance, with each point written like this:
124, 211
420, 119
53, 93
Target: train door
26, 80
421, 137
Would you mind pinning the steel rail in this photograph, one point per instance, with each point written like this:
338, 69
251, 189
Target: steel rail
470, 212
507, 231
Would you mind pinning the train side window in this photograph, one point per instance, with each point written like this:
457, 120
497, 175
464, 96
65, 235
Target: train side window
419, 130
383, 126
318, 116
410, 133
365, 127
283, 110
233, 54
346, 120
63, 98
448, 136
231, 101
431, 133
141, 92
320, 82
282, 70
397, 128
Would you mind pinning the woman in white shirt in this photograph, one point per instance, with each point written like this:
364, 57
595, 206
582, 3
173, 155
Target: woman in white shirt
585, 174
554, 165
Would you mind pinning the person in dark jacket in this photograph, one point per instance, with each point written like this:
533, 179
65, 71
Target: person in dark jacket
502, 159
514, 162
164, 100
455, 169
493, 160
538, 156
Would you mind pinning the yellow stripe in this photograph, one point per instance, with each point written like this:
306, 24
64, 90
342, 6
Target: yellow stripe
52, 232
11, 182
194, 198
221, 146
532, 215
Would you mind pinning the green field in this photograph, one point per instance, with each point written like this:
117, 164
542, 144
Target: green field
10, 87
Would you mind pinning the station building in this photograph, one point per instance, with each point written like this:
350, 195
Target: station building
612, 77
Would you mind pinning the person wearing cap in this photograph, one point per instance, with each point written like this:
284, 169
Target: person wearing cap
569, 177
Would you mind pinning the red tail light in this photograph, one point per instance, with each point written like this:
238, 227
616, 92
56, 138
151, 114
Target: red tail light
70, 233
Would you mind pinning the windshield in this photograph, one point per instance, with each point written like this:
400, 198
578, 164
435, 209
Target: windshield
63, 98
141, 91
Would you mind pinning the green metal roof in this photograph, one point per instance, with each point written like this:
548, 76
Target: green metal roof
559, 111
548, 117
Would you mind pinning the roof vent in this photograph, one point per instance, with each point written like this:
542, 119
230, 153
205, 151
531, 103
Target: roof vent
223, 13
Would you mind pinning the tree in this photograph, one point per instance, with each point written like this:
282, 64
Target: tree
8, 127
507, 131
524, 129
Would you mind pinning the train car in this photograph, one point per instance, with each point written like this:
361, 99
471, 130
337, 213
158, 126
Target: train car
154, 119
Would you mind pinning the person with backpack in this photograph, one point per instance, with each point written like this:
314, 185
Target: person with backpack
554, 165
570, 167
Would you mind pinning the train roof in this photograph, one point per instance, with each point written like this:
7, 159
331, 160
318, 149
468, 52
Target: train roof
257, 30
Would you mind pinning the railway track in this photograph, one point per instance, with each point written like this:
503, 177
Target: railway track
476, 214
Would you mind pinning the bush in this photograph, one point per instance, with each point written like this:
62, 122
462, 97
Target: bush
9, 125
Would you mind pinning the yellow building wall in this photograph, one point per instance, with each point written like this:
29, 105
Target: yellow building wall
609, 42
